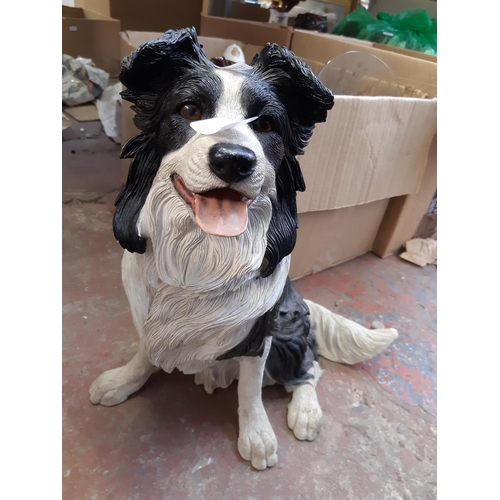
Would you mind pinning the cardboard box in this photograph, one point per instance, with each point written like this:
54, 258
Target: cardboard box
330, 237
249, 12
148, 15
367, 169
411, 71
248, 32
90, 34
404, 214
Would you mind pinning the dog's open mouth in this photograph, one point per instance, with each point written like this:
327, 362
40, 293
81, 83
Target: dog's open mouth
221, 212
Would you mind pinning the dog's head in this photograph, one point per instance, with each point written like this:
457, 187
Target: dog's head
218, 185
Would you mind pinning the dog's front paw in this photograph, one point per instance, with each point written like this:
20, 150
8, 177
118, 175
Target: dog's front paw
257, 441
115, 386
304, 413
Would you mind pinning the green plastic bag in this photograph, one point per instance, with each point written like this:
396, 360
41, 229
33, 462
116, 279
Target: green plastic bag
353, 23
408, 29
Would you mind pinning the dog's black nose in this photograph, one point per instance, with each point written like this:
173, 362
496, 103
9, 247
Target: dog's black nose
231, 162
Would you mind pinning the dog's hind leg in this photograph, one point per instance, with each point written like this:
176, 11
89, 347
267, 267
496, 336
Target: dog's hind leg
115, 386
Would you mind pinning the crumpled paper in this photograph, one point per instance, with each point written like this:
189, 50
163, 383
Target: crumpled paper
109, 107
420, 251
82, 81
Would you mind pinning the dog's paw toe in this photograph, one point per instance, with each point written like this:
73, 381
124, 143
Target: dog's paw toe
114, 387
109, 398
304, 419
258, 444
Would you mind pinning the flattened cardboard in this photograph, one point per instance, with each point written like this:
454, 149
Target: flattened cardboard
149, 15
83, 113
247, 31
328, 238
91, 35
370, 148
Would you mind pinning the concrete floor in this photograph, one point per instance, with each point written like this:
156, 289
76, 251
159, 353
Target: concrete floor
173, 441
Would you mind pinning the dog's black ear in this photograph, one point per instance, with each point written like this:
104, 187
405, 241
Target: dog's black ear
146, 74
307, 102
149, 69
306, 99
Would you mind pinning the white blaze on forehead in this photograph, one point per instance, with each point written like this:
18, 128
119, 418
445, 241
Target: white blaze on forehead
229, 103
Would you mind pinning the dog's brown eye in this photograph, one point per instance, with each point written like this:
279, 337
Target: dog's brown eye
263, 124
190, 111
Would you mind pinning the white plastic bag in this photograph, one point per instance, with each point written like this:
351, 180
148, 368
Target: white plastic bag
82, 81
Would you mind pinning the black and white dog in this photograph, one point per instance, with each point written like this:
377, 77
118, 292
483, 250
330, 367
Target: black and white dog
208, 220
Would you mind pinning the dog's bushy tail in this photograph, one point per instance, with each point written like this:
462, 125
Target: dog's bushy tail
344, 341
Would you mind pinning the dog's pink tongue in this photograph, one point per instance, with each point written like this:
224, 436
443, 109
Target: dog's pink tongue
221, 212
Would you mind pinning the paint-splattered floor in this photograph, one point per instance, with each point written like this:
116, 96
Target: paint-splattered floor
173, 441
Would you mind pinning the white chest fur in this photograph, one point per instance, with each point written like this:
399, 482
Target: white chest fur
188, 331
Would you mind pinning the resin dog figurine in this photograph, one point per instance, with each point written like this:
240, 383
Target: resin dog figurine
208, 220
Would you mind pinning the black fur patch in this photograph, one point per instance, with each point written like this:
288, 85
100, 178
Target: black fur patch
159, 76
293, 347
